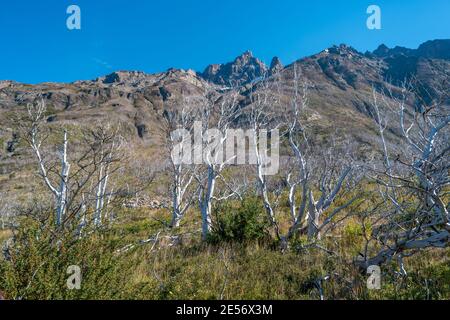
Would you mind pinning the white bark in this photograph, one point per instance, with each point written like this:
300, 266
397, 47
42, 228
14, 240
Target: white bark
421, 169
305, 213
62, 193
107, 145
205, 200
263, 101
101, 193
317, 208
214, 155
36, 113
179, 125
5, 214
437, 240
85, 187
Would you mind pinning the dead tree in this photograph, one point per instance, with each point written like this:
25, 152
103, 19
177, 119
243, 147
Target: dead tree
36, 112
414, 179
306, 213
106, 144
211, 134
261, 117
80, 186
179, 129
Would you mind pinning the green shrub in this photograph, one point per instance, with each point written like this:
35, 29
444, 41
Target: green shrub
243, 222
38, 264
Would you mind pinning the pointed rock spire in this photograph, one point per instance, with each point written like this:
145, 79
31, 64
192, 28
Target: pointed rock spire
275, 66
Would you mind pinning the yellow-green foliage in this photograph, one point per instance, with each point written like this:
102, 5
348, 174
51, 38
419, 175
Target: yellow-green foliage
353, 237
243, 262
37, 268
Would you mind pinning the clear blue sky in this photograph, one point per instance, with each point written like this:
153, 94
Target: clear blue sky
153, 35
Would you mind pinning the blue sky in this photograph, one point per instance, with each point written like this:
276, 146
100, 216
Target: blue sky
154, 35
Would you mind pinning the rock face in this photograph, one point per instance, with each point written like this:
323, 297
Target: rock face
344, 66
135, 99
128, 78
340, 80
428, 65
275, 66
434, 49
243, 70
382, 51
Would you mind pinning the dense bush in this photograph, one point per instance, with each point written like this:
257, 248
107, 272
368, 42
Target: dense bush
39, 258
241, 222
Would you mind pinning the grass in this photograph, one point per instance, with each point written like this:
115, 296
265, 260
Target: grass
244, 268
240, 261
5, 235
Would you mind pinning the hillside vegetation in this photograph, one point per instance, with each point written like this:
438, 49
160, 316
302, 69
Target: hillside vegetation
90, 181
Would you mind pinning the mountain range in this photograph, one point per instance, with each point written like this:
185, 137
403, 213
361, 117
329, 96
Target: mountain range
340, 97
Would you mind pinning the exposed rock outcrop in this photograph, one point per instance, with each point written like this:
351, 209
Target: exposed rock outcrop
339, 77
434, 49
243, 70
275, 66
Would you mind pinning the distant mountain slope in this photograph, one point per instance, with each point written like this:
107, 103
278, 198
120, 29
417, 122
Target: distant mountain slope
434, 49
429, 65
340, 78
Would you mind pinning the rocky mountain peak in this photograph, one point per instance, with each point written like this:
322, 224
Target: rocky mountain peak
340, 75
243, 70
382, 50
123, 77
245, 57
434, 49
276, 65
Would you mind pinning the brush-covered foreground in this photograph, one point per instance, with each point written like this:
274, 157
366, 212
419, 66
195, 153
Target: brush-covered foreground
241, 260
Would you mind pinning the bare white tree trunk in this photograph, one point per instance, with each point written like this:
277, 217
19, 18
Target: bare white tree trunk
78, 189
101, 193
179, 126
4, 212
313, 218
180, 186
317, 208
62, 193
214, 158
106, 146
262, 181
36, 113
260, 117
177, 198
206, 199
